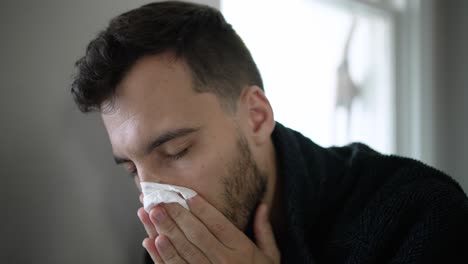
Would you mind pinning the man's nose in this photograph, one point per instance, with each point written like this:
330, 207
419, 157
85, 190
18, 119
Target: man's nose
147, 174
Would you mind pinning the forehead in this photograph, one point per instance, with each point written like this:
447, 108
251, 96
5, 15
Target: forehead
155, 95
154, 82
158, 79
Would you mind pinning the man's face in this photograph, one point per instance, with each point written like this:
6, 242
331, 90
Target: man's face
165, 132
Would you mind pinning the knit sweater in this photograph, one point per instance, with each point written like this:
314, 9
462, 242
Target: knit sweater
353, 205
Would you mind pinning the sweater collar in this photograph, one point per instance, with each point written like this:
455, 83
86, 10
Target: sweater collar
296, 193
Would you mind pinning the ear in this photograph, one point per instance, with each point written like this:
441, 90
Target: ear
258, 114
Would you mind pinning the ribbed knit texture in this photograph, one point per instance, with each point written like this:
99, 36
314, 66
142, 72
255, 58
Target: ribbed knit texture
353, 205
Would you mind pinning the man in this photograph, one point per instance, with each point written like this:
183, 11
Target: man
183, 104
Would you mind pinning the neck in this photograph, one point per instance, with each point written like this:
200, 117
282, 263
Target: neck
273, 195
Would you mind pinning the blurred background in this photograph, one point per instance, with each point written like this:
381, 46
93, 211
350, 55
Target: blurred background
391, 74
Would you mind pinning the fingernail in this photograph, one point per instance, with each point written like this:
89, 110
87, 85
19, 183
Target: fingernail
163, 243
143, 244
160, 214
191, 200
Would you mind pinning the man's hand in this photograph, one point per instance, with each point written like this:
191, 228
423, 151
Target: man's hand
205, 235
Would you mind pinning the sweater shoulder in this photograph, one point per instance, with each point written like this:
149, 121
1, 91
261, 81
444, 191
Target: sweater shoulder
397, 208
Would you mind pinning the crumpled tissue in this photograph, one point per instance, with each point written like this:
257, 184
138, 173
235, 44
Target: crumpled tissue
156, 193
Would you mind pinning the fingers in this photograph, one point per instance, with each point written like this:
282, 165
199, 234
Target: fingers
178, 244
167, 251
150, 246
216, 222
264, 233
196, 232
146, 221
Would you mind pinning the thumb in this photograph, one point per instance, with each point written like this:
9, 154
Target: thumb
264, 234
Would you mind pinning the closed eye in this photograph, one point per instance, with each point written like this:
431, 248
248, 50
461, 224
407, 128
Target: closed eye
178, 155
173, 157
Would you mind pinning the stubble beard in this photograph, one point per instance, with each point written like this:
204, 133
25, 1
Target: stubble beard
244, 187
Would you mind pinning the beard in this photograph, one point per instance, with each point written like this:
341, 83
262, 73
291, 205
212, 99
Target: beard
244, 188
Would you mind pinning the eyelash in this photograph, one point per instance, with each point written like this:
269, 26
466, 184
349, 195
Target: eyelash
178, 155
133, 172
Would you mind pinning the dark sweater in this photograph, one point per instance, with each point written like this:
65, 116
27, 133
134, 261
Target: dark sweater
353, 205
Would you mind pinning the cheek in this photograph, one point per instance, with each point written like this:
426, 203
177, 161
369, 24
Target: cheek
206, 175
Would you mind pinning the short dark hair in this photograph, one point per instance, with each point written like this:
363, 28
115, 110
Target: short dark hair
199, 35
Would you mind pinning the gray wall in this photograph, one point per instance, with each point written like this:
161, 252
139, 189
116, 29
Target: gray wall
62, 198
451, 88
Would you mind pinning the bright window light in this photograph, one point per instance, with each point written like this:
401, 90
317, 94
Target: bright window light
298, 46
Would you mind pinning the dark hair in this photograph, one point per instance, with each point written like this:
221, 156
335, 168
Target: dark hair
199, 35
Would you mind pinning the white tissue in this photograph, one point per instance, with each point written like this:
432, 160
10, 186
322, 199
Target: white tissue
156, 193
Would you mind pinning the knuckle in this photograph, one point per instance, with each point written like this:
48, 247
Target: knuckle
196, 236
218, 228
168, 253
175, 212
199, 210
170, 227
188, 251
170, 256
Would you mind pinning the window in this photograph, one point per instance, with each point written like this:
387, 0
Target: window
327, 67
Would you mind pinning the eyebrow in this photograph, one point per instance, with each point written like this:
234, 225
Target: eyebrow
160, 140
